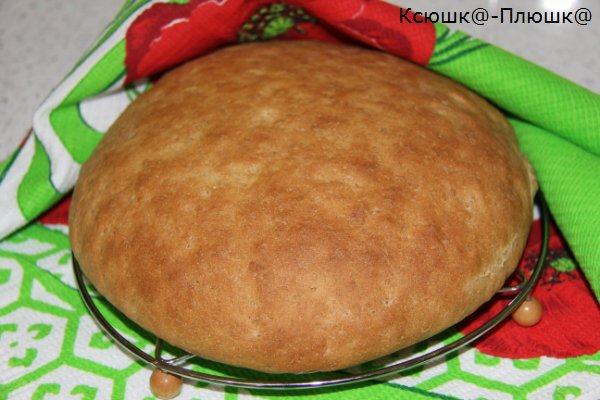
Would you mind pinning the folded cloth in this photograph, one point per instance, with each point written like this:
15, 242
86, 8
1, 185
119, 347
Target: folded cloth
557, 123
558, 127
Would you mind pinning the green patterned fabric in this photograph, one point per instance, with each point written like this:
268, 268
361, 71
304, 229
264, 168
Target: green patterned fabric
50, 348
558, 127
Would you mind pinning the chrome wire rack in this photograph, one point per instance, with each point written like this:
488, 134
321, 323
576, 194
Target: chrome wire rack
175, 365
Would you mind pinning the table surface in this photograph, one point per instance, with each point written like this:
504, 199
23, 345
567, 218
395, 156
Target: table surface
40, 42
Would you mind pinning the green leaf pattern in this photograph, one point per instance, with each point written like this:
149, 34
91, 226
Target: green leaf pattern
54, 350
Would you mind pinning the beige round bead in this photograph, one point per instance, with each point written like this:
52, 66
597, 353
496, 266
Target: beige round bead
165, 386
529, 313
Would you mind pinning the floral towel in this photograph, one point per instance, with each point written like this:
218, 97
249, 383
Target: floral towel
50, 347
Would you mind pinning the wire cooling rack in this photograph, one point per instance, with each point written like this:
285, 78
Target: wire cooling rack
176, 365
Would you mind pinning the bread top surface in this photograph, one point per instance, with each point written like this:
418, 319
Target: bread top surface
301, 206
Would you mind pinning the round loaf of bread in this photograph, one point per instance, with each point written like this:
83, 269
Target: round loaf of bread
301, 206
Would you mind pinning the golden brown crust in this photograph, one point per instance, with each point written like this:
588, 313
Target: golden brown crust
300, 206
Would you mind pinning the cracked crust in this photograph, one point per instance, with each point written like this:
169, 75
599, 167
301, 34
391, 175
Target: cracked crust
301, 206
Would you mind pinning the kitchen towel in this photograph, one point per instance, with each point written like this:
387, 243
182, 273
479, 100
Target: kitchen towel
46, 336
